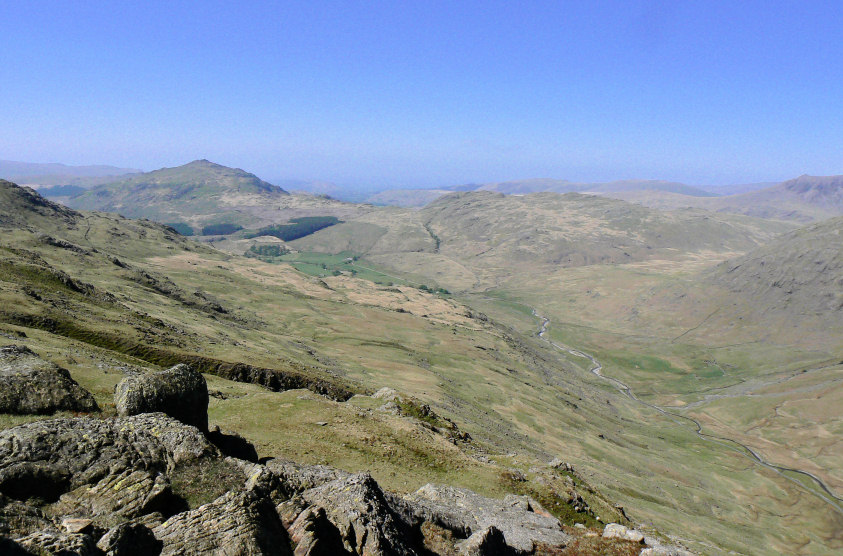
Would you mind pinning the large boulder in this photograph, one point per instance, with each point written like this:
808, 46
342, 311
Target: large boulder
180, 392
31, 385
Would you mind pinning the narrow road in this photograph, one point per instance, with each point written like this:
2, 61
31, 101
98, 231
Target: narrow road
597, 369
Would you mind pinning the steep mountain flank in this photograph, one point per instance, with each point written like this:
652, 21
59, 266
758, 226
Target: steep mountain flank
800, 273
150, 484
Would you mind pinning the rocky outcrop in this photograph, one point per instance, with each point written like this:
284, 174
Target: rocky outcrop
65, 545
523, 522
180, 392
359, 511
46, 459
235, 523
122, 486
31, 385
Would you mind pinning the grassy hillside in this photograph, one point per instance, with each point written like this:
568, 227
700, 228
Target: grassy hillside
102, 294
470, 241
633, 288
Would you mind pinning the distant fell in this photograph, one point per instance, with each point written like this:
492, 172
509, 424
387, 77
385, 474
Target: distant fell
803, 199
204, 194
197, 187
421, 197
14, 168
564, 186
817, 190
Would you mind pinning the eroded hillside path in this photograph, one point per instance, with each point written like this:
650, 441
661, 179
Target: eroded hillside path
825, 493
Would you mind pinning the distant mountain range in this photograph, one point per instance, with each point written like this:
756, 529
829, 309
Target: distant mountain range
421, 197
803, 199
50, 174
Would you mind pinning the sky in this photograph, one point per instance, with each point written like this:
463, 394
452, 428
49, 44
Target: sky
422, 94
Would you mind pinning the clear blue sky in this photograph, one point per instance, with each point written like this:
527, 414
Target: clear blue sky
429, 93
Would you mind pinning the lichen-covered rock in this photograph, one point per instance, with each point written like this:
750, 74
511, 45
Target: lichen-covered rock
130, 539
31, 385
522, 521
180, 392
60, 545
45, 459
125, 495
234, 523
295, 478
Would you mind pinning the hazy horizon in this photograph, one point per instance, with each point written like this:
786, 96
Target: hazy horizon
398, 96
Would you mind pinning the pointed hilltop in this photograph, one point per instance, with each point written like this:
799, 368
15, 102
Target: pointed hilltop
196, 182
197, 193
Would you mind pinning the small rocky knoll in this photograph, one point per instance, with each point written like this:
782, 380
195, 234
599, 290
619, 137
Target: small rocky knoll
147, 482
31, 385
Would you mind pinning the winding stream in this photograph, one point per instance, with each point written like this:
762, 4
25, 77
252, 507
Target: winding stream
597, 369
